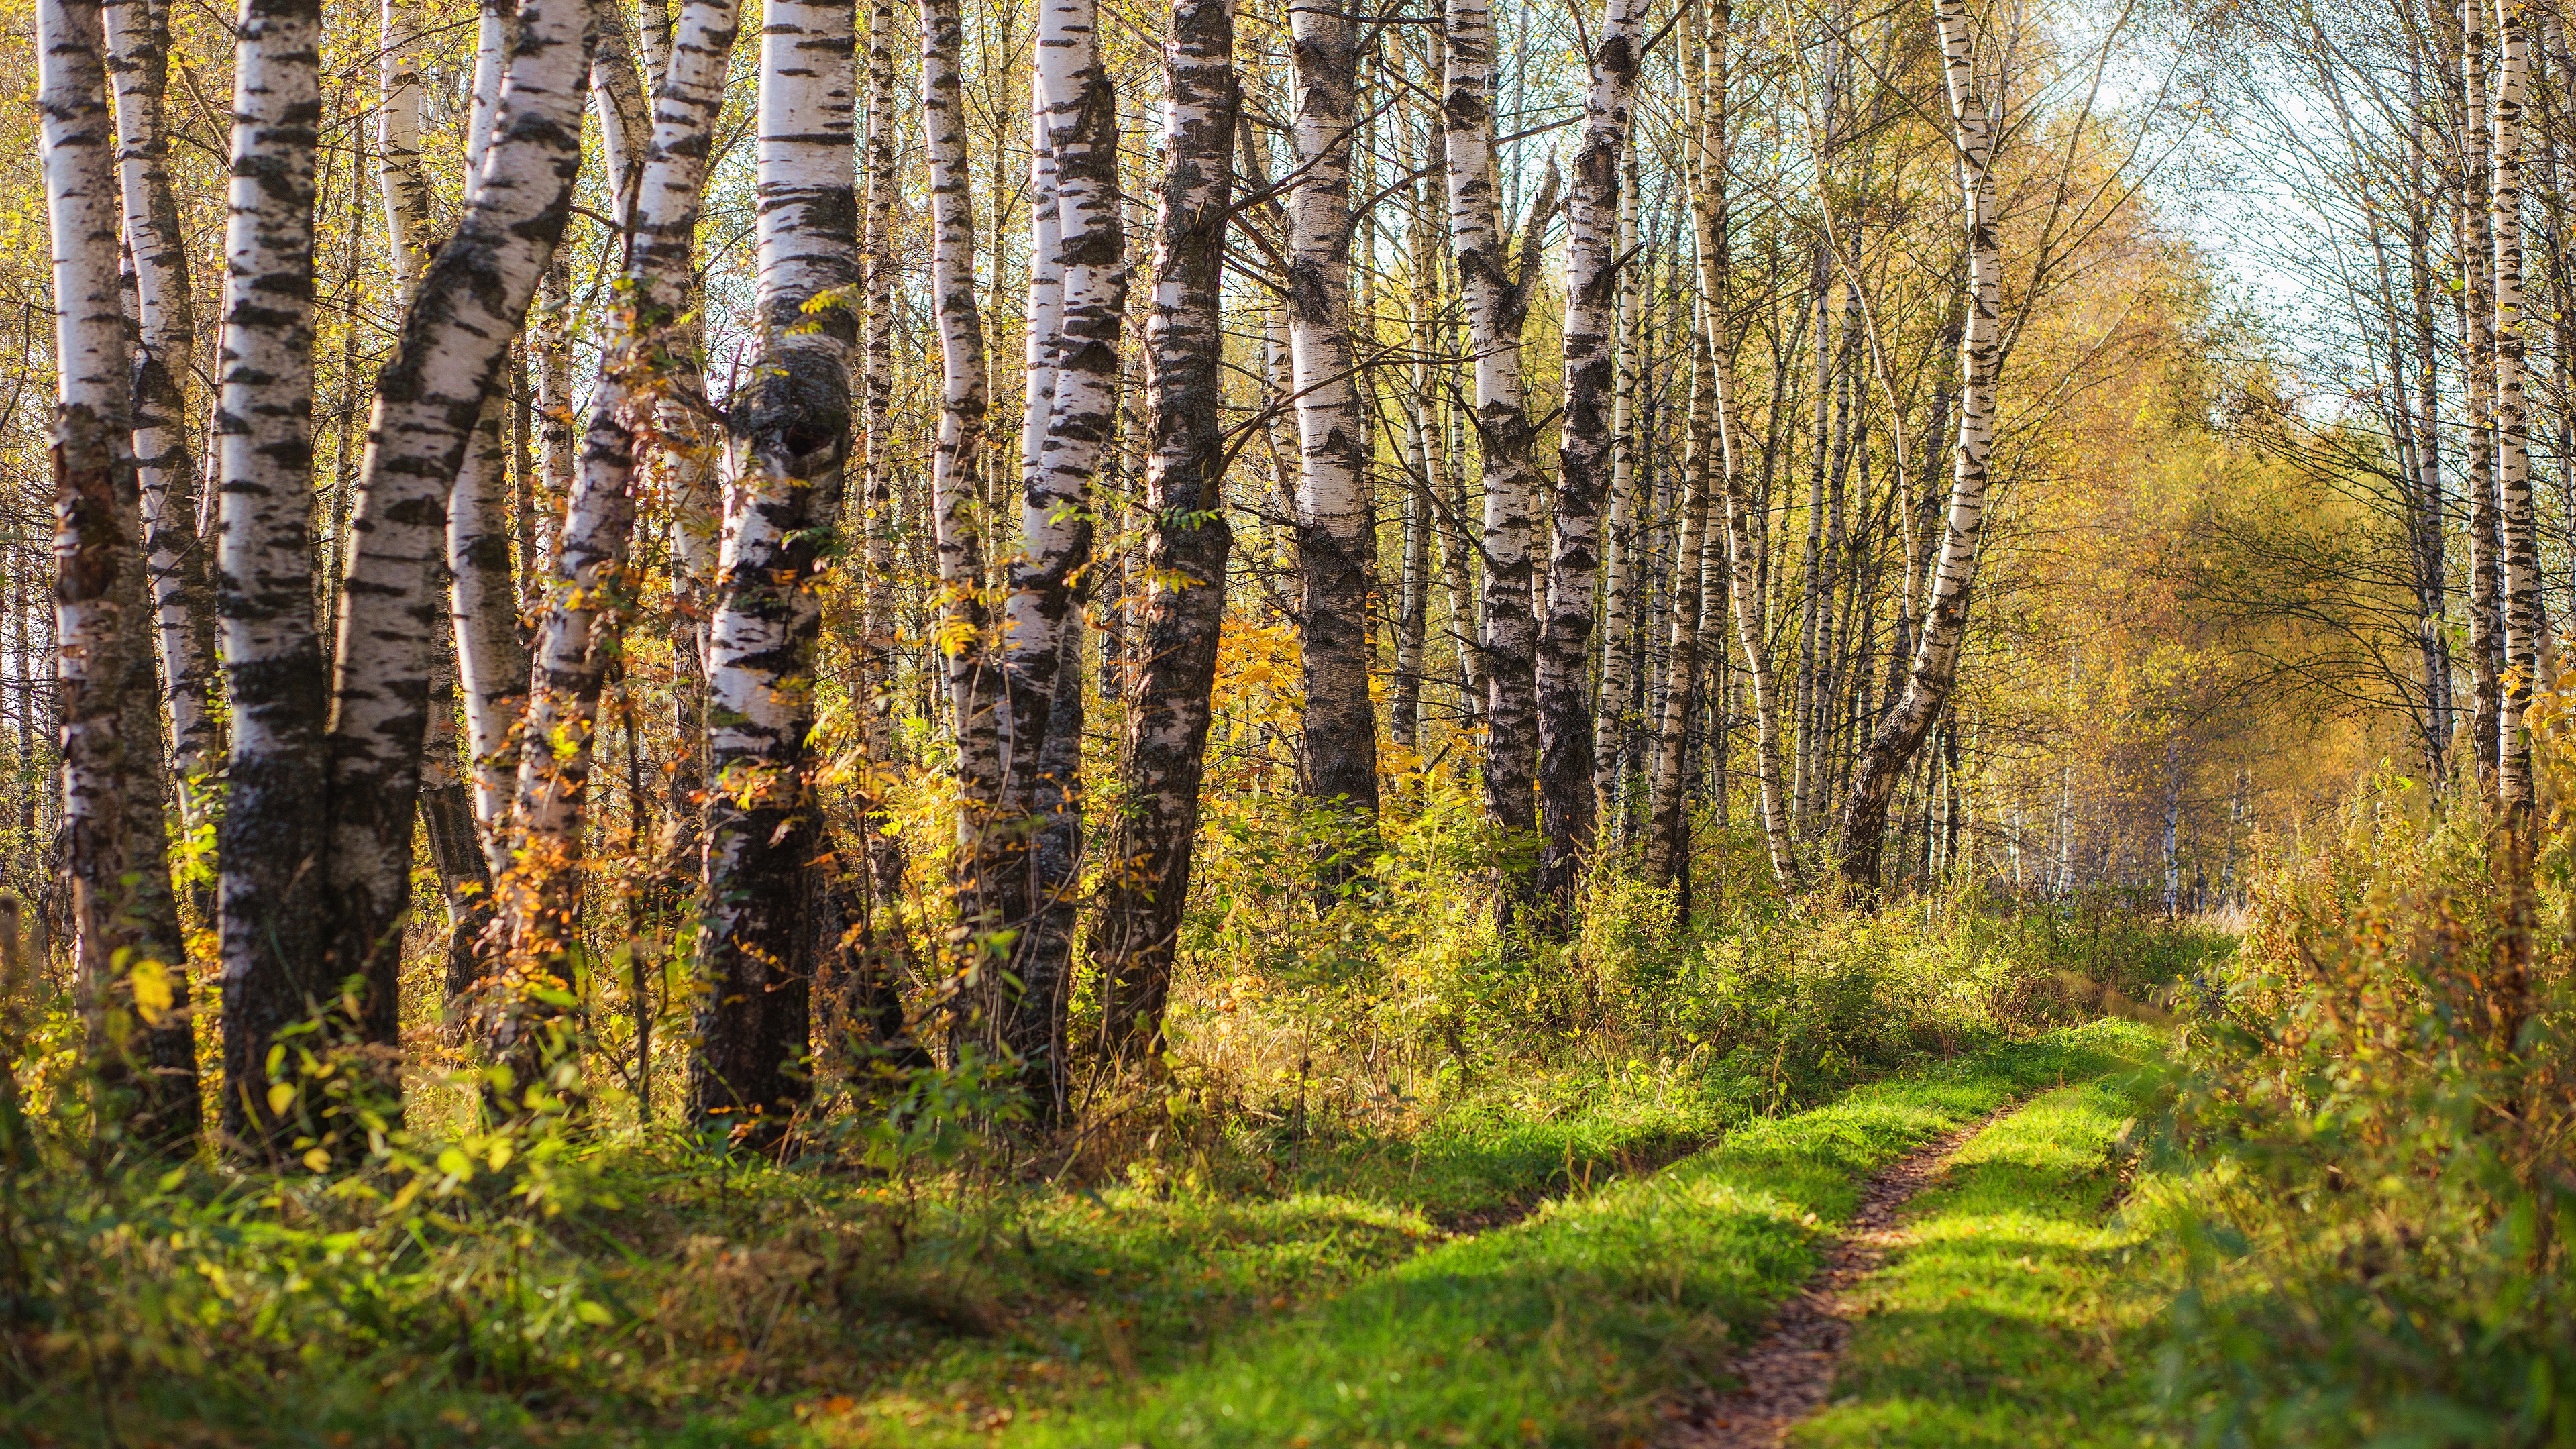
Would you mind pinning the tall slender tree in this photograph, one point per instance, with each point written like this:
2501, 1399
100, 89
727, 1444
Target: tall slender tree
1187, 538
790, 426
133, 967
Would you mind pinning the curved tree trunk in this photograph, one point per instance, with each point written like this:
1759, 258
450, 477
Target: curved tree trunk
1188, 538
791, 439
271, 891
1568, 808
1338, 753
482, 576
454, 342
580, 634
1945, 615
126, 944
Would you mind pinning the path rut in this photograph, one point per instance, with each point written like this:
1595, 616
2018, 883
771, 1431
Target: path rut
1788, 1374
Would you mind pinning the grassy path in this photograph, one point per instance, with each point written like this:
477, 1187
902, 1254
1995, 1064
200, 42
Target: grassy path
2004, 1320
1574, 1326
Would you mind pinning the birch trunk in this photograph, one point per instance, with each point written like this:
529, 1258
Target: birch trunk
1496, 303
1187, 539
1614, 720
956, 472
126, 943
878, 515
454, 342
1945, 616
2477, 348
138, 47
1566, 718
580, 635
483, 590
1079, 125
1668, 822
1338, 752
2522, 615
790, 428
270, 895
400, 177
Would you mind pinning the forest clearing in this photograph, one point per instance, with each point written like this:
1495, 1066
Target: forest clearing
1642, 723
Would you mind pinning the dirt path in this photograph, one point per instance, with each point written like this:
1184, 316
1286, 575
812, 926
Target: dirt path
1787, 1375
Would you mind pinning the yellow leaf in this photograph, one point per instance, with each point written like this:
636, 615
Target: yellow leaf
281, 1095
317, 1159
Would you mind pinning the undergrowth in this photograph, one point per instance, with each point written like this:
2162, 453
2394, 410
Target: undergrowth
1321, 1130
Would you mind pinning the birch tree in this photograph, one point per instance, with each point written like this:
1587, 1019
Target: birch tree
1564, 665
790, 439
956, 473
591, 590
1496, 298
1187, 538
1945, 615
2520, 535
454, 342
1338, 751
126, 945
138, 59
271, 889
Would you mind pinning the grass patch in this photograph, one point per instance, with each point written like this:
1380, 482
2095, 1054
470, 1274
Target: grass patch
1563, 1329
2015, 1316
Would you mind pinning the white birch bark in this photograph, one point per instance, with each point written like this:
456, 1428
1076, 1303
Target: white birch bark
790, 426
1945, 616
957, 486
1079, 123
1338, 753
1566, 718
2474, 220
1188, 539
483, 594
454, 343
591, 590
138, 46
2522, 612
271, 841
124, 920
1614, 721
400, 177
1496, 303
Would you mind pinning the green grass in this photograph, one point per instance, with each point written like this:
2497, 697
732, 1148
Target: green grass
2015, 1317
1563, 1329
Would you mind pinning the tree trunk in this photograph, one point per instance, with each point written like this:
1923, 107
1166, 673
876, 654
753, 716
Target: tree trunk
580, 635
1187, 539
791, 439
271, 895
1584, 458
2477, 350
1335, 532
2522, 614
453, 344
1079, 124
1496, 297
956, 473
126, 945
138, 45
1615, 717
1945, 617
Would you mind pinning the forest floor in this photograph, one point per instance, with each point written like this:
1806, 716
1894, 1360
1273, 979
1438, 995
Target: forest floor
1588, 1274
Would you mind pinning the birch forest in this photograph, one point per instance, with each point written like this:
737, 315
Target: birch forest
841, 722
